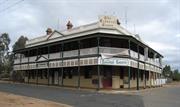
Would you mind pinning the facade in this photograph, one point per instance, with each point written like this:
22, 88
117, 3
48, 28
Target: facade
99, 55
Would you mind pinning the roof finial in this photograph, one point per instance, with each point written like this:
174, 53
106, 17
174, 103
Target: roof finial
69, 25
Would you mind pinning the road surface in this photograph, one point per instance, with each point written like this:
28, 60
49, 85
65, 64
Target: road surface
158, 97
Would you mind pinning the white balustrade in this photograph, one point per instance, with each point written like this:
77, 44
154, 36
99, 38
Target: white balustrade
88, 51
32, 59
111, 50
133, 54
24, 60
16, 61
55, 55
70, 53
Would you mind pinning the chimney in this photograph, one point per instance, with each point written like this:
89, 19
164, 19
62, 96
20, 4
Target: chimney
48, 31
69, 25
118, 22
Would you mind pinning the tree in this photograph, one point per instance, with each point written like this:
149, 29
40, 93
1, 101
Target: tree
4, 48
167, 72
20, 43
176, 75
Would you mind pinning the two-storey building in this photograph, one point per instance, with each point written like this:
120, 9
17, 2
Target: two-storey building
97, 55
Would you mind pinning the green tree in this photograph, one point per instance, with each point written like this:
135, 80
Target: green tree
4, 50
167, 72
20, 43
176, 75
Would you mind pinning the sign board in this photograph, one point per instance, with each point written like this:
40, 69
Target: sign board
108, 21
42, 65
114, 61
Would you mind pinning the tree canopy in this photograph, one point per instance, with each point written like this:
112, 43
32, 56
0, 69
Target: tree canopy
20, 43
172, 74
4, 51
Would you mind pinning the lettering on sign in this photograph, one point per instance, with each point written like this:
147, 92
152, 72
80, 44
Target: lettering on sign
109, 21
114, 61
42, 65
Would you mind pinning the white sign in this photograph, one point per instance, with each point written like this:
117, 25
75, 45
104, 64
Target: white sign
42, 65
108, 21
114, 61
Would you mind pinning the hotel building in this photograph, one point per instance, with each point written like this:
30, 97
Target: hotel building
100, 55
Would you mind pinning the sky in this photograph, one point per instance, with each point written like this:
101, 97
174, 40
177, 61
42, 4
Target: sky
156, 21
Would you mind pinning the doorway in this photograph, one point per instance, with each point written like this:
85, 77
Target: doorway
107, 77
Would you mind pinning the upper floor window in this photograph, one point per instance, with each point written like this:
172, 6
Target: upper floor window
141, 50
33, 52
88, 43
43, 50
71, 46
114, 42
133, 46
55, 48
150, 54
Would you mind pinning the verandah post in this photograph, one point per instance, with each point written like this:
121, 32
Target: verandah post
129, 69
138, 69
79, 64
62, 61
48, 66
98, 69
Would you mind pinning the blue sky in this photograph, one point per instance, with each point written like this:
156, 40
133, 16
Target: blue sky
156, 21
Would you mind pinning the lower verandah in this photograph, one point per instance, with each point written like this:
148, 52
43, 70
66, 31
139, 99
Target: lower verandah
111, 77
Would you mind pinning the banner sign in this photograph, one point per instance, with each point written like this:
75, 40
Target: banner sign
114, 61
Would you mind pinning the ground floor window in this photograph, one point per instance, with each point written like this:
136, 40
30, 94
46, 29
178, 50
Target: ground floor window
121, 73
142, 75
147, 75
87, 72
134, 74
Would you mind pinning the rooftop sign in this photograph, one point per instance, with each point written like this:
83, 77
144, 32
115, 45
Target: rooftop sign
108, 21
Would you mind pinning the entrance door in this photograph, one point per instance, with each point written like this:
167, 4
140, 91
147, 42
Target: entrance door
107, 77
55, 77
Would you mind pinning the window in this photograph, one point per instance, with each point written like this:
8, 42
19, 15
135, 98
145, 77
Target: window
71, 46
64, 74
88, 43
55, 48
33, 74
142, 75
134, 74
26, 73
131, 74
43, 50
106, 42
87, 74
147, 75
32, 52
133, 46
119, 43
70, 72
121, 73
41, 74
45, 74
141, 50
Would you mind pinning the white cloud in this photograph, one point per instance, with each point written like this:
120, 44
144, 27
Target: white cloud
153, 28
162, 46
178, 35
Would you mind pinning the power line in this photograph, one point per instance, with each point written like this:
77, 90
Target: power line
12, 5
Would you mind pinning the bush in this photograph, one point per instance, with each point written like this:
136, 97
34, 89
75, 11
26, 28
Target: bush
17, 76
4, 75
